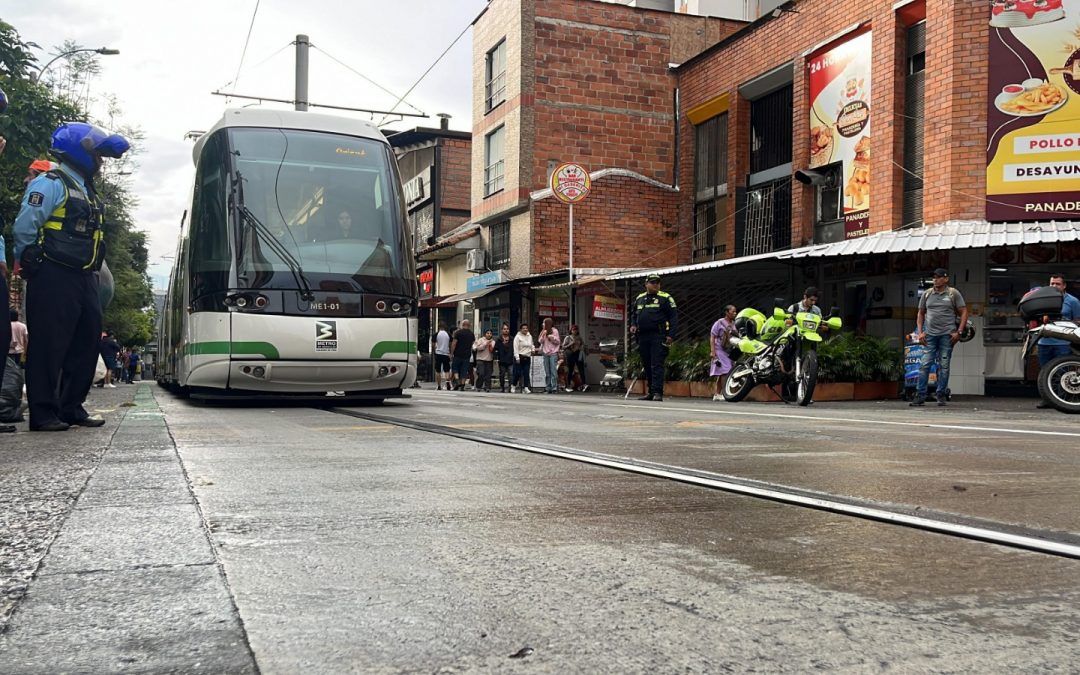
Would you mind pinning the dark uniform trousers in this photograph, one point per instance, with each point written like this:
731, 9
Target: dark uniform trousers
653, 348
63, 314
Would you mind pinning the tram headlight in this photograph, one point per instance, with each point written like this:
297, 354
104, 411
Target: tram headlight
260, 301
381, 305
242, 301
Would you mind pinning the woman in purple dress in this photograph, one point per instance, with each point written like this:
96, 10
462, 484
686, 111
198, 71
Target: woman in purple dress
723, 329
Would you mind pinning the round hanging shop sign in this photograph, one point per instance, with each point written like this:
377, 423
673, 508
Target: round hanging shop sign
570, 182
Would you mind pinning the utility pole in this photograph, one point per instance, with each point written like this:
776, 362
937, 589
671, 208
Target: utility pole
302, 46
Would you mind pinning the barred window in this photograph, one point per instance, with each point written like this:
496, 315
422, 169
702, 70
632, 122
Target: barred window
499, 245
710, 188
494, 161
495, 77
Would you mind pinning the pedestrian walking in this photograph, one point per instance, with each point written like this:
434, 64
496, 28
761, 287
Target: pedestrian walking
442, 356
721, 334
505, 357
1048, 348
110, 350
461, 346
484, 347
942, 318
654, 323
523, 350
133, 362
19, 337
574, 352
549, 349
58, 245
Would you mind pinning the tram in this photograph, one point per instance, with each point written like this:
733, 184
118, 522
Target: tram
293, 273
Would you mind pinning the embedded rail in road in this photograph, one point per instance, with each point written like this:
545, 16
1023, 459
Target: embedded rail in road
1041, 541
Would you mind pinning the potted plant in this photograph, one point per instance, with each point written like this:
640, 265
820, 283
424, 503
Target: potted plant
869, 366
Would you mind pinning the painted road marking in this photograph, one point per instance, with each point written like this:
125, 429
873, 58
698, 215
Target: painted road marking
923, 425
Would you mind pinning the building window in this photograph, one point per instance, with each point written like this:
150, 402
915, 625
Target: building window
495, 77
499, 245
768, 218
914, 94
494, 161
770, 130
710, 188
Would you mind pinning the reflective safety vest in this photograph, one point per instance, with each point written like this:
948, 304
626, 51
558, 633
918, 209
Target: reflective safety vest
73, 235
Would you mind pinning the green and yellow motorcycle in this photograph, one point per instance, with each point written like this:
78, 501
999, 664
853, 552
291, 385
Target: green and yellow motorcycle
777, 350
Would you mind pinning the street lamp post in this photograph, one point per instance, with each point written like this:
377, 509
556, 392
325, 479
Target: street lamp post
104, 51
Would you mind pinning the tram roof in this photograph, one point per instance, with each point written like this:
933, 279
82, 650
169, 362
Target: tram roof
289, 119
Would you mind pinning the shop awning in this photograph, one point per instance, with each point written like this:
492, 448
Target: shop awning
959, 234
468, 297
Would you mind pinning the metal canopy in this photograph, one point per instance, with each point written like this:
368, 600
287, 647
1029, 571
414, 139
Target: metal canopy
956, 234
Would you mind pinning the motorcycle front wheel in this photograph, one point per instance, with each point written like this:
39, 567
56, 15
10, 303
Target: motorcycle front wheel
739, 383
804, 394
1059, 383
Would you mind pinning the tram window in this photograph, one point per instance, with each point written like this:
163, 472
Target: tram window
328, 200
209, 251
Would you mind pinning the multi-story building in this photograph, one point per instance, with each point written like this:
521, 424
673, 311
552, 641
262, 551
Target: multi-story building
435, 172
589, 82
857, 145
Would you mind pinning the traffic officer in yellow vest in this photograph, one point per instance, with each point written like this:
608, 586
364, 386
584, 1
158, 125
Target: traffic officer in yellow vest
58, 246
655, 320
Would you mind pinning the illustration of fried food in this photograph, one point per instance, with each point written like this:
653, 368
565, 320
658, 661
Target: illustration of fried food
858, 187
820, 145
862, 151
1037, 100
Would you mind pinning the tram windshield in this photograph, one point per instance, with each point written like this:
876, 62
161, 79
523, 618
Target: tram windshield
331, 204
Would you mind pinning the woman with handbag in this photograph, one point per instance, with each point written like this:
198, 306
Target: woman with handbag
523, 349
574, 348
720, 336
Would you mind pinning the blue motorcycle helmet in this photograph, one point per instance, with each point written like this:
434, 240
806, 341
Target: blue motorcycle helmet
3, 102
83, 145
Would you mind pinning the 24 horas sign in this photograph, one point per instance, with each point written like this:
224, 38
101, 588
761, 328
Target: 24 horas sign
1033, 123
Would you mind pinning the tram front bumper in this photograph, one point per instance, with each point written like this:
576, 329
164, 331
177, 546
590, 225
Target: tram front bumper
319, 376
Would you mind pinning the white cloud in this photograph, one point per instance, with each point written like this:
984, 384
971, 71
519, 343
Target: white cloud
172, 55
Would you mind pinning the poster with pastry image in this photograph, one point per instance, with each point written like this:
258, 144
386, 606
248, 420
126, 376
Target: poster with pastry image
839, 120
1033, 106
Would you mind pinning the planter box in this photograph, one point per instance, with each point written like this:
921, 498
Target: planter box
763, 394
638, 388
877, 391
834, 391
702, 389
676, 388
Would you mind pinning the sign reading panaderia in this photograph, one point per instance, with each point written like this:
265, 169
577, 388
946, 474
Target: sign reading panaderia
1033, 105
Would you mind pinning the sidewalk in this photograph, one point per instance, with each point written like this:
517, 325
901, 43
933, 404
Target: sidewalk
117, 571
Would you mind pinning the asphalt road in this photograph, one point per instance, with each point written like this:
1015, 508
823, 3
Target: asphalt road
294, 539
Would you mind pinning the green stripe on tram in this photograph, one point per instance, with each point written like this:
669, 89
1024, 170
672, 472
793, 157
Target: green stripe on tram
385, 347
264, 349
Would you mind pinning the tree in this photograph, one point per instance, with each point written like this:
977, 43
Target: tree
35, 111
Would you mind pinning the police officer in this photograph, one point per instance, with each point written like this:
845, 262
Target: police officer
59, 245
654, 324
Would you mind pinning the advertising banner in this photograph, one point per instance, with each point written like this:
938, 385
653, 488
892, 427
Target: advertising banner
607, 307
1033, 122
839, 83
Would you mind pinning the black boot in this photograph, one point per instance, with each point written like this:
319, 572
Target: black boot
646, 397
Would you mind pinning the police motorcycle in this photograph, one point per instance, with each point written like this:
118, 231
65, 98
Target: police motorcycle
777, 350
1059, 380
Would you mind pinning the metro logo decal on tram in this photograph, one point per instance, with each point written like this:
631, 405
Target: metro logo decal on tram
326, 336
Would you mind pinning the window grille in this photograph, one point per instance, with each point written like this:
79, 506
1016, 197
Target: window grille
499, 245
495, 79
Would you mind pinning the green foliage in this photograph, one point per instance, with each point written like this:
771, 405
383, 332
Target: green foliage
686, 361
859, 358
36, 110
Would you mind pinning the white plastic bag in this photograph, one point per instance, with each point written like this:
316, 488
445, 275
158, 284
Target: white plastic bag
99, 372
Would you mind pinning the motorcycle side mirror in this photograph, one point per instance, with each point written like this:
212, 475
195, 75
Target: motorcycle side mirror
834, 323
834, 311
779, 313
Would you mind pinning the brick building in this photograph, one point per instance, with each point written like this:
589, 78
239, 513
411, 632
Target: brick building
582, 81
844, 144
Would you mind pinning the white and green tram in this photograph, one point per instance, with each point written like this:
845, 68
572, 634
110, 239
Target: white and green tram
294, 272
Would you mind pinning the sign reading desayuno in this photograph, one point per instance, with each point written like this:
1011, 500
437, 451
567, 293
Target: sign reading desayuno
1033, 104
840, 124
570, 183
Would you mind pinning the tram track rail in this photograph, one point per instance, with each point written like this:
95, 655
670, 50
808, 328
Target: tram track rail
1049, 542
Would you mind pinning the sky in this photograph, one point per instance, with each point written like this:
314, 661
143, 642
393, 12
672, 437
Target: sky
173, 54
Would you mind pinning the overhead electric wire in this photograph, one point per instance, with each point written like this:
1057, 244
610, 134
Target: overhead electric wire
365, 78
247, 39
429, 69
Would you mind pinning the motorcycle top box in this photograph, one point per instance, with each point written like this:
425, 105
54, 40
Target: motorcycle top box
1040, 302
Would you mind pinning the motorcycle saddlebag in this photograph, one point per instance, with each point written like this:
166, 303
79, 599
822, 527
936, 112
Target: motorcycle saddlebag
1040, 302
